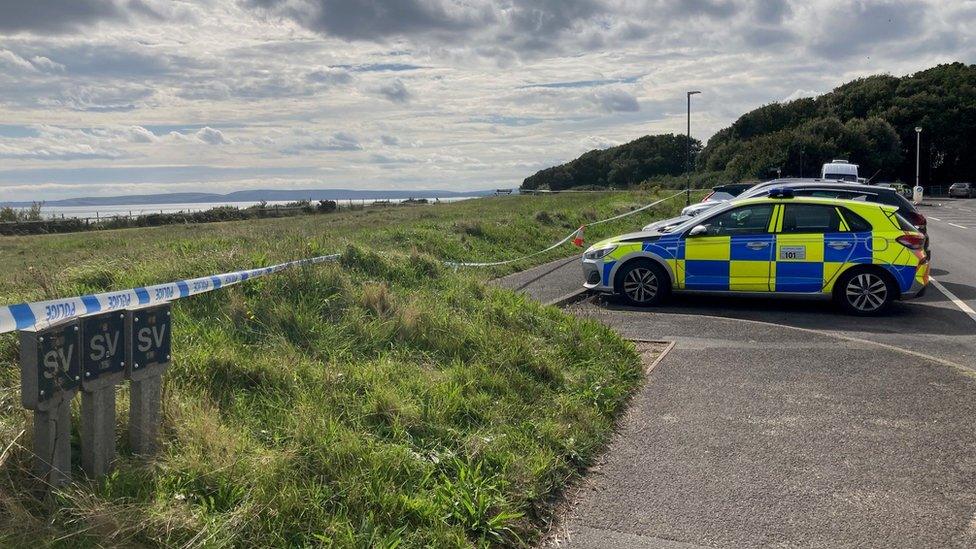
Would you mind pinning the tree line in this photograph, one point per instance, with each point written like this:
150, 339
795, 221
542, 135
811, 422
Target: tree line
869, 121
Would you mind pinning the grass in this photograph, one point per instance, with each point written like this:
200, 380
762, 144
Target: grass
382, 401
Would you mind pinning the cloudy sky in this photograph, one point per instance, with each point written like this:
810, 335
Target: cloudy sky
105, 97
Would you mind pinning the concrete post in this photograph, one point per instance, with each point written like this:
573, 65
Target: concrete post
98, 431
50, 374
103, 366
145, 398
52, 443
148, 347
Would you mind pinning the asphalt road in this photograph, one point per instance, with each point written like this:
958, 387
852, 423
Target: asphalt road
777, 423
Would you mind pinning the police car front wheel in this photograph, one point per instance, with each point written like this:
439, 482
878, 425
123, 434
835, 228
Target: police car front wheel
643, 282
865, 292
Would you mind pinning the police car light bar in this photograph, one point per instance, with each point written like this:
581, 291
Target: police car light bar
781, 192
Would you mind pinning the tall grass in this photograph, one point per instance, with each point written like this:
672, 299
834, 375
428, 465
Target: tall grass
382, 401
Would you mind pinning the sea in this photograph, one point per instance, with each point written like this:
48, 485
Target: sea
94, 212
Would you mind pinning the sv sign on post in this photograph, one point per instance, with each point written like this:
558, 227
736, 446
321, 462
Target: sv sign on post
50, 365
149, 342
103, 349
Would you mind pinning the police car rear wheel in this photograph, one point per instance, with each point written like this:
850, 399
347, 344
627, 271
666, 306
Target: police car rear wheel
643, 283
865, 293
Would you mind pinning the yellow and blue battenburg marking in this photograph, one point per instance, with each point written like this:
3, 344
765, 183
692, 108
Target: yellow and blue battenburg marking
801, 263
774, 261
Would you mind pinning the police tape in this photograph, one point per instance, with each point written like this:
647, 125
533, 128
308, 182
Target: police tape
41, 314
570, 236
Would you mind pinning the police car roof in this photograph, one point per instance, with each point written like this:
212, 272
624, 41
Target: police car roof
814, 200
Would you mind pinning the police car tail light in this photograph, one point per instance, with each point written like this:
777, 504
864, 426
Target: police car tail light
911, 241
916, 219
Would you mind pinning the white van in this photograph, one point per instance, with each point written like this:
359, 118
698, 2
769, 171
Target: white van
840, 170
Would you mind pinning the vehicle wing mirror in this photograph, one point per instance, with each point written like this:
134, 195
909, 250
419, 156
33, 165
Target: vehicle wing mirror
698, 230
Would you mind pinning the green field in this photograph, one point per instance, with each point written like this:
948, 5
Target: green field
381, 400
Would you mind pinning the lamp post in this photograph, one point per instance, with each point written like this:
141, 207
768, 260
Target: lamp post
918, 155
688, 160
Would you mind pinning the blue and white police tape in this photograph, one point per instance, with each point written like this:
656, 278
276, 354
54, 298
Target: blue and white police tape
41, 314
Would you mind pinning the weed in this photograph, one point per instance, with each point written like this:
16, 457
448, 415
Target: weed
474, 500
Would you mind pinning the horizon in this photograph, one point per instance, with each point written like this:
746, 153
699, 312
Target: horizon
151, 96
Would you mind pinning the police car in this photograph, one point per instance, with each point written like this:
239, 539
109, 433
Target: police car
864, 255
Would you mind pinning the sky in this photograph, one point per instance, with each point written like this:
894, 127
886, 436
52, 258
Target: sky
110, 97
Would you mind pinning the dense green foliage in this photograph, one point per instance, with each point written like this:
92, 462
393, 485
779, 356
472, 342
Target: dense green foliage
619, 167
870, 121
378, 401
17, 215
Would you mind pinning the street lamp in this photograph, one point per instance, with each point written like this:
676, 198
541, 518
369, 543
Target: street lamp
688, 161
918, 155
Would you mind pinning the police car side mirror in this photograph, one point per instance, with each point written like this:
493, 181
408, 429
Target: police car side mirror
698, 230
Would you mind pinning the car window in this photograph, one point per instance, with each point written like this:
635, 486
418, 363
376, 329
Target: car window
810, 218
855, 223
743, 220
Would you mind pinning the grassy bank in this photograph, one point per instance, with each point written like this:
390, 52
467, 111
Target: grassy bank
379, 400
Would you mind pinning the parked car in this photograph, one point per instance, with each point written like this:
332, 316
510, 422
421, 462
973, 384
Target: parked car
962, 190
697, 208
863, 255
727, 191
719, 194
839, 170
667, 225
849, 191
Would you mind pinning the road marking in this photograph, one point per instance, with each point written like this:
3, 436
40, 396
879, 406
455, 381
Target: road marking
660, 357
935, 218
960, 226
969, 370
952, 297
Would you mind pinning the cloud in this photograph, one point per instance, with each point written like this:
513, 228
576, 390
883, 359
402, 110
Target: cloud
47, 143
721, 9
329, 76
56, 15
101, 97
772, 11
211, 136
591, 142
853, 27
616, 101
375, 19
205, 135
14, 61
582, 83
395, 91
799, 94
488, 90
305, 142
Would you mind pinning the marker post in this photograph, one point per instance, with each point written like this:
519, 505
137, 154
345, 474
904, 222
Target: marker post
50, 375
103, 365
148, 347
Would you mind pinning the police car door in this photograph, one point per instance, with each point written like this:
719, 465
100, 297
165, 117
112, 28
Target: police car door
735, 252
803, 234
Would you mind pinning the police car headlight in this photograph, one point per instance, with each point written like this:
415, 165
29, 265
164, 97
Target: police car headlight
599, 254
